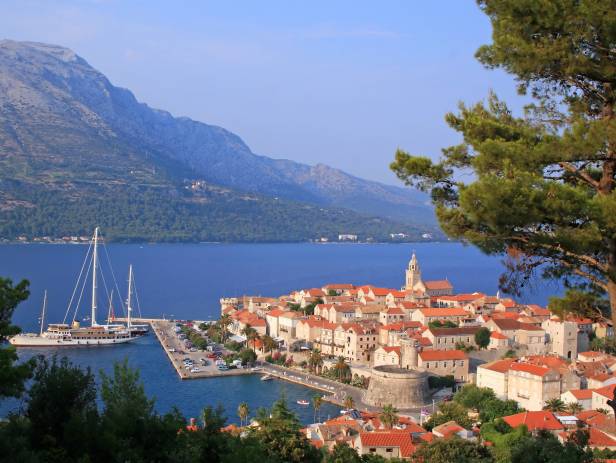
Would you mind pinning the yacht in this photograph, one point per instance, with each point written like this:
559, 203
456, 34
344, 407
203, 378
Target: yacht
73, 334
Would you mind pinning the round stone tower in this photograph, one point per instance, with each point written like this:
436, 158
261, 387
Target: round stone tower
408, 353
397, 386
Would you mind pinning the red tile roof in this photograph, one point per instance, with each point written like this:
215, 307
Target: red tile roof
447, 429
535, 420
381, 291
444, 312
581, 394
391, 349
398, 294
438, 284
339, 286
500, 366
434, 355
394, 311
606, 391
591, 353
497, 335
530, 368
400, 326
392, 438
596, 438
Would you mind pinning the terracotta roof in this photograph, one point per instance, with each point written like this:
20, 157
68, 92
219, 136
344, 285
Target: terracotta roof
444, 312
462, 331
400, 326
596, 438
606, 391
392, 438
407, 305
398, 294
534, 420
505, 324
394, 311
275, 312
339, 286
391, 349
432, 355
438, 284
530, 368
497, 335
529, 327
538, 311
505, 315
447, 429
581, 394
315, 292
591, 353
501, 366
382, 291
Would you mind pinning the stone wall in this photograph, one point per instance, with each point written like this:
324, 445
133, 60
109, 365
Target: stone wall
402, 388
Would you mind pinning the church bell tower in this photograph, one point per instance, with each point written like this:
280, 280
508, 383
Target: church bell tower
413, 274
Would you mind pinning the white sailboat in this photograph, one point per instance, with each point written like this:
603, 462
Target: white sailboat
72, 335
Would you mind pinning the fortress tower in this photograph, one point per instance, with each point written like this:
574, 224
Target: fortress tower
408, 353
402, 386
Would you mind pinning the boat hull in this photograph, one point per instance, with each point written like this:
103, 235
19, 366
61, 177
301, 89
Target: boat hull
41, 341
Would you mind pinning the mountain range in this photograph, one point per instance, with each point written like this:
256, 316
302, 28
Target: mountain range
76, 151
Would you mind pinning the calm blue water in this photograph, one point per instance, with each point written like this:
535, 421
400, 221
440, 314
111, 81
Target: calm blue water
186, 281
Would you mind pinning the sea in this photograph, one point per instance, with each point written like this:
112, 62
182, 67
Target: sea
186, 281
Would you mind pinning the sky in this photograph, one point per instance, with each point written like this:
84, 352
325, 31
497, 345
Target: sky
344, 83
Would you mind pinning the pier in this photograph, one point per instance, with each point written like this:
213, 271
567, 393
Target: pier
333, 391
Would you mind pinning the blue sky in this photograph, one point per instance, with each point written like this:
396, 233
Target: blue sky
337, 82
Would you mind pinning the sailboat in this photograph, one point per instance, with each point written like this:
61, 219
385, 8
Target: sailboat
72, 335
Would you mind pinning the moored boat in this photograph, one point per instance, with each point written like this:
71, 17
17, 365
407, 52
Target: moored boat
73, 334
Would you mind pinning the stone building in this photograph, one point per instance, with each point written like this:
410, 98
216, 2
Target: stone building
532, 385
562, 338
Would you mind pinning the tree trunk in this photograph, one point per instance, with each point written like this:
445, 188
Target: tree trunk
611, 292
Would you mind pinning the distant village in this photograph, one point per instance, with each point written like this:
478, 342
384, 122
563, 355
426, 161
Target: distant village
395, 339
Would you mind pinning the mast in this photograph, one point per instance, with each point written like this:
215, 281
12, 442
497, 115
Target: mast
94, 265
43, 312
110, 316
130, 290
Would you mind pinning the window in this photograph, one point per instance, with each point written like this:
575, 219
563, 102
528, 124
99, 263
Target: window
372, 450
389, 450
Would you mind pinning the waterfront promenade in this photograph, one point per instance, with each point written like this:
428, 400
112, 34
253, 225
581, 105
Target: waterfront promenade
333, 391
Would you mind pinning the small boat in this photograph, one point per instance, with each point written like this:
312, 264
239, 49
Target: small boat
303, 402
344, 411
266, 378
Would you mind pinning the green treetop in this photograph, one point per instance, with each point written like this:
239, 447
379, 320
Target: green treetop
542, 188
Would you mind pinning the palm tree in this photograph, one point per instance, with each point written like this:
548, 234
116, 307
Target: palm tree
342, 368
268, 343
251, 335
317, 401
349, 403
389, 416
242, 412
224, 322
574, 408
315, 361
555, 405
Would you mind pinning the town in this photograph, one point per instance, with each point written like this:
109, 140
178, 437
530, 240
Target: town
408, 350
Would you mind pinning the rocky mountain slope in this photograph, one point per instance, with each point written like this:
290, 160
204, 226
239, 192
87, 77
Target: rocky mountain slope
66, 129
